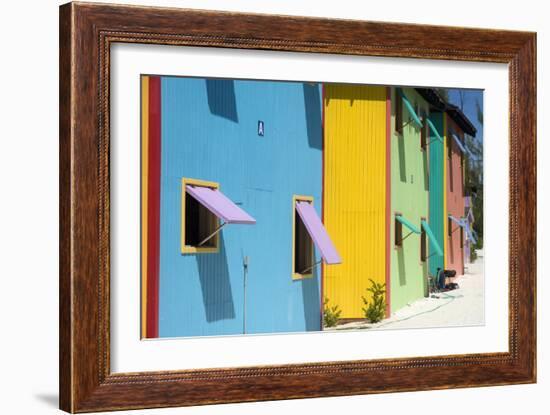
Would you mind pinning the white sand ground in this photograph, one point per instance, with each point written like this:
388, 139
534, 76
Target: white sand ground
464, 306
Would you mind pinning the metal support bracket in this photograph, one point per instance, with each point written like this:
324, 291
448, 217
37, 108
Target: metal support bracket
219, 228
308, 268
455, 229
407, 235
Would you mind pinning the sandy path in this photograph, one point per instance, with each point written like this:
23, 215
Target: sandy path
464, 306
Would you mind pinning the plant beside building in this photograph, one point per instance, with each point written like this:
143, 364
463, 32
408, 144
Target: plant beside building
331, 314
375, 308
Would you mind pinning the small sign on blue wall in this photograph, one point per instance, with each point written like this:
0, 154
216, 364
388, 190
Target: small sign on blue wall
261, 128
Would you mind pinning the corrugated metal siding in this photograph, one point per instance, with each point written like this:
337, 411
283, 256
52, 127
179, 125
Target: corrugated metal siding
209, 132
409, 196
437, 193
354, 191
455, 200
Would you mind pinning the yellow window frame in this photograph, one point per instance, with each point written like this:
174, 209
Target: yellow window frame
187, 249
297, 275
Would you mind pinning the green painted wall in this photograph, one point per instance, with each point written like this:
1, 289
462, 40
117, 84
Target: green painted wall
437, 192
409, 196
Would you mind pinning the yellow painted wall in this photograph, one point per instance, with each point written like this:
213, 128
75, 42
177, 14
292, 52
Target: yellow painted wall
354, 194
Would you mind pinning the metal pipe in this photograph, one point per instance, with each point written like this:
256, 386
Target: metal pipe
406, 236
219, 228
245, 276
308, 268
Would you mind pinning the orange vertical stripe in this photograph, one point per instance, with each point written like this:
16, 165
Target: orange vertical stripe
144, 192
388, 202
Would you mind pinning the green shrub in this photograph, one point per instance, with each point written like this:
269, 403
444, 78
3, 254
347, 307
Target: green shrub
375, 309
331, 315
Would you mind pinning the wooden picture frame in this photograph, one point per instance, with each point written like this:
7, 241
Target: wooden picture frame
86, 33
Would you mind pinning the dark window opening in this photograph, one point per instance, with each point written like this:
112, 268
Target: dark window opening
398, 112
423, 138
423, 244
200, 223
461, 237
398, 232
303, 247
449, 227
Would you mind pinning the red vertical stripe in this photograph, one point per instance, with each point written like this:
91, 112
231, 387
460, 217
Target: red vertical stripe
388, 201
153, 201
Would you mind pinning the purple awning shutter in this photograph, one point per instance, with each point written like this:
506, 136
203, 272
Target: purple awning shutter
219, 204
458, 221
318, 232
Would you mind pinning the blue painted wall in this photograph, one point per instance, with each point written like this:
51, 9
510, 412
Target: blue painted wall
210, 132
437, 192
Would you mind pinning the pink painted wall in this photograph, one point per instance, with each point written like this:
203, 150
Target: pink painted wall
455, 200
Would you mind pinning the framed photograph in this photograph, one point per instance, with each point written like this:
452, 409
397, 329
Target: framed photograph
259, 207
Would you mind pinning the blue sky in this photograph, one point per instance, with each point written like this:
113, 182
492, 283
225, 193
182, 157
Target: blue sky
470, 96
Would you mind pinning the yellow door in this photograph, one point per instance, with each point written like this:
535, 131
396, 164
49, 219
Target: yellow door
354, 194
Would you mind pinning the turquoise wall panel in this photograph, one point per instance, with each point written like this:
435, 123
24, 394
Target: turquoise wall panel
437, 193
210, 132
